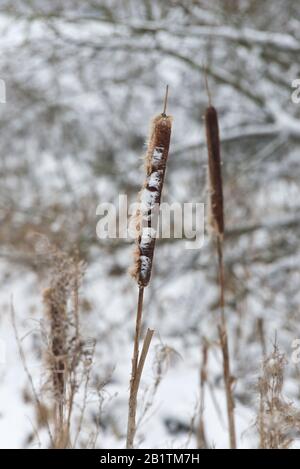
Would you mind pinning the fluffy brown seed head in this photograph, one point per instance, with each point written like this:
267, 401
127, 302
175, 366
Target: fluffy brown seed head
55, 308
150, 197
215, 171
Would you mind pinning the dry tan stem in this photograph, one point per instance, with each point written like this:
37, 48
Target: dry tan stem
201, 439
137, 369
261, 334
222, 329
131, 425
262, 437
138, 327
143, 356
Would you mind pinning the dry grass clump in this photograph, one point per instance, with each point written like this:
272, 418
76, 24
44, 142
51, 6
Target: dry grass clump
278, 420
68, 356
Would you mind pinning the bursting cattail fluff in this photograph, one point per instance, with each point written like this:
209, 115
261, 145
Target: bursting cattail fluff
150, 197
216, 218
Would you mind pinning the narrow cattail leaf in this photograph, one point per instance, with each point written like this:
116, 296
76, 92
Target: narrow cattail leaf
150, 197
215, 172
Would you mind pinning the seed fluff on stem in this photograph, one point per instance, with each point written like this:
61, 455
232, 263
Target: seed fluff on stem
150, 196
145, 229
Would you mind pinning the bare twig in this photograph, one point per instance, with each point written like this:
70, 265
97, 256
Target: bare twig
26, 369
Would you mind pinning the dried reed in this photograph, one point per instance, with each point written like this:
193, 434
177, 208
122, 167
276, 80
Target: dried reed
55, 308
201, 438
67, 353
278, 420
216, 222
149, 198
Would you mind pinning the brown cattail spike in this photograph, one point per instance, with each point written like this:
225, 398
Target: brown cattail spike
215, 171
150, 197
145, 229
217, 224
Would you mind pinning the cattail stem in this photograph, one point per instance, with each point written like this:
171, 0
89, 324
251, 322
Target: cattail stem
131, 425
217, 225
134, 388
165, 102
223, 336
145, 228
221, 275
142, 358
138, 362
138, 326
201, 439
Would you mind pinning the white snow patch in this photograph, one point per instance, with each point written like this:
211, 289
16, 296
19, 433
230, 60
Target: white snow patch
155, 179
145, 265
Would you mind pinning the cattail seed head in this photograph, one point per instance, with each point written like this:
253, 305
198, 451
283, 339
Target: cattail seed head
214, 172
150, 197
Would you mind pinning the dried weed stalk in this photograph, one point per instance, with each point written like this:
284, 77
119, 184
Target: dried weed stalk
201, 437
68, 357
145, 228
216, 222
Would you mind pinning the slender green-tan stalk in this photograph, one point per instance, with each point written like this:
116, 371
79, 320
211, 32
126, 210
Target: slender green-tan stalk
217, 225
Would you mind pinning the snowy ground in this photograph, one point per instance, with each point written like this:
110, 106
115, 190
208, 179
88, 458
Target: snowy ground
168, 421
